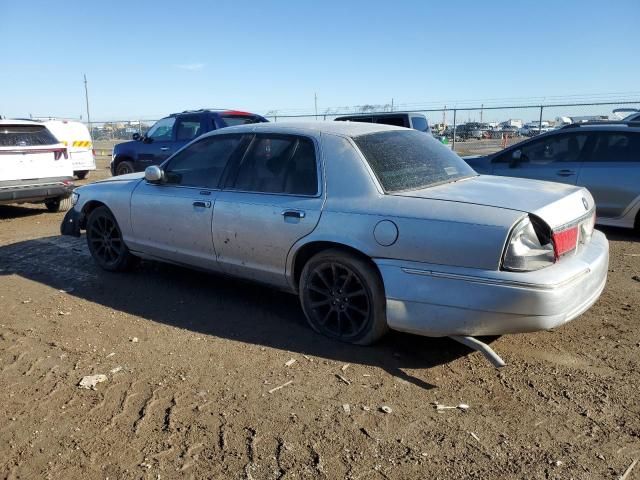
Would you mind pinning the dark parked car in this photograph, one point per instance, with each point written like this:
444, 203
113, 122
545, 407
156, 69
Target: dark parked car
603, 157
170, 134
417, 121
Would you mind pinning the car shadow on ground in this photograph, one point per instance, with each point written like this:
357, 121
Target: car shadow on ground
213, 305
619, 234
13, 211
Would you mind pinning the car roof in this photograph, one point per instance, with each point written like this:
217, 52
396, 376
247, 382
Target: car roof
345, 129
219, 111
20, 122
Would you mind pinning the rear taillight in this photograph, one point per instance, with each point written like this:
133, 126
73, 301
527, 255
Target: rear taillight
565, 241
58, 153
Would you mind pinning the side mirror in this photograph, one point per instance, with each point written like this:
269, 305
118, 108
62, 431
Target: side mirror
136, 136
516, 156
153, 174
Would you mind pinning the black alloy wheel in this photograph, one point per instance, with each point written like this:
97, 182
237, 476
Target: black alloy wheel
343, 298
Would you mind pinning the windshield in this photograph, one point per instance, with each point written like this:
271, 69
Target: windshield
410, 160
25, 136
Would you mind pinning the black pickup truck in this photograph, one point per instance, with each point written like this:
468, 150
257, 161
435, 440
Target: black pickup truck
170, 134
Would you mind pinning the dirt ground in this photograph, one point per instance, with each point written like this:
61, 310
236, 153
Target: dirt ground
191, 360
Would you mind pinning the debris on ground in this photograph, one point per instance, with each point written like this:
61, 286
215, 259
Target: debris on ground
288, 363
134, 340
111, 355
475, 437
636, 278
281, 386
343, 379
627, 472
90, 381
61, 313
66, 290
345, 366
386, 409
461, 406
347, 408
115, 370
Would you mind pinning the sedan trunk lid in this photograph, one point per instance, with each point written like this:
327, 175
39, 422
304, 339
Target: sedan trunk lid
556, 203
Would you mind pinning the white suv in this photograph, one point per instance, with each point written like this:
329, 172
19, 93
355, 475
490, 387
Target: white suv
34, 166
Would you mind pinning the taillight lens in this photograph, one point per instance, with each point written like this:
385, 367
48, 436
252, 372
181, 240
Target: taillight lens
526, 251
57, 154
565, 241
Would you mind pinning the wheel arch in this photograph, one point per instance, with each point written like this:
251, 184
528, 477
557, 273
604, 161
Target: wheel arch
122, 157
304, 252
89, 207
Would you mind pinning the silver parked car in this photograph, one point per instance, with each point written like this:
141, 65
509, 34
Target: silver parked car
603, 157
374, 227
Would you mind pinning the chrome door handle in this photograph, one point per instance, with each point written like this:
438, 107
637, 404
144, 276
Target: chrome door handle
566, 172
199, 203
293, 214
164, 149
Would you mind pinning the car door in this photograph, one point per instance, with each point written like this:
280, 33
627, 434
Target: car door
612, 172
172, 219
271, 199
555, 158
157, 144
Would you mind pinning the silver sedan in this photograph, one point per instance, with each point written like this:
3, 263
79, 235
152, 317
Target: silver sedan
374, 227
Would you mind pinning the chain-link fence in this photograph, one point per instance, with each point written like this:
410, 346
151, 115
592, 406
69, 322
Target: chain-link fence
469, 130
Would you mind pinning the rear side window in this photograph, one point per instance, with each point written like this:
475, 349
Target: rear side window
233, 120
202, 164
616, 147
398, 121
409, 160
279, 164
363, 119
25, 136
188, 129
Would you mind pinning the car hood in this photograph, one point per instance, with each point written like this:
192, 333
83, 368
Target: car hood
123, 178
556, 203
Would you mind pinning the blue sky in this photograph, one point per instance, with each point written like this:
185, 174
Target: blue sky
147, 59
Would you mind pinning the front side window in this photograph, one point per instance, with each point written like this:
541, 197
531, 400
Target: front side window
409, 160
279, 164
202, 164
162, 130
616, 147
552, 149
25, 136
188, 129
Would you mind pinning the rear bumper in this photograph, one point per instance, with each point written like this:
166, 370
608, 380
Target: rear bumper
441, 303
37, 190
83, 161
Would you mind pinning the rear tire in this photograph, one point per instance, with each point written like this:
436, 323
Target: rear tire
58, 205
105, 242
82, 174
124, 168
343, 297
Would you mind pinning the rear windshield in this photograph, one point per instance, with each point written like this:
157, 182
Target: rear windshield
409, 160
232, 120
25, 136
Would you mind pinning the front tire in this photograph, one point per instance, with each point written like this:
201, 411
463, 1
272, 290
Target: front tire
124, 168
82, 174
342, 297
105, 242
61, 204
